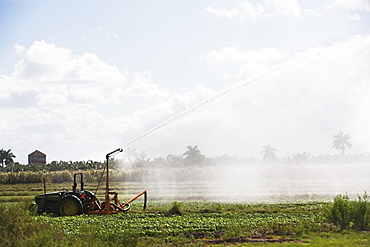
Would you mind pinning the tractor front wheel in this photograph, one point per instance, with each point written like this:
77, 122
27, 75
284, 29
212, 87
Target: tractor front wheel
70, 205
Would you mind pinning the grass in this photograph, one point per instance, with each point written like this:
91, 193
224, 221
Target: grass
177, 223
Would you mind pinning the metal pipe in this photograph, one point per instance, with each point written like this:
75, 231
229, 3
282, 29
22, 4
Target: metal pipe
107, 177
46, 196
75, 181
107, 182
44, 185
134, 198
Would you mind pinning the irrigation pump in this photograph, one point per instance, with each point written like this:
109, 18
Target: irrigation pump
81, 201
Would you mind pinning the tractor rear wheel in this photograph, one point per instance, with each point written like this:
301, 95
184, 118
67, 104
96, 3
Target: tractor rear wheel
70, 205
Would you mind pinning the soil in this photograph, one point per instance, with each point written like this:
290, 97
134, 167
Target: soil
241, 240
235, 241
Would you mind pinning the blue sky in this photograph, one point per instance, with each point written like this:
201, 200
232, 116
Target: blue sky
80, 78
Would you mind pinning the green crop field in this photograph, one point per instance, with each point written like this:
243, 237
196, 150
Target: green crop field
184, 222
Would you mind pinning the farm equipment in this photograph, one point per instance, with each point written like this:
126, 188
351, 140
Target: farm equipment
81, 201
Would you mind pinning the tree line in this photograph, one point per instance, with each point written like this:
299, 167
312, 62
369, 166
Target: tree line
191, 157
341, 142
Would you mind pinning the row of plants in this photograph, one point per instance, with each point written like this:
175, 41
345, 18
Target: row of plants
190, 223
230, 172
56, 166
67, 176
133, 174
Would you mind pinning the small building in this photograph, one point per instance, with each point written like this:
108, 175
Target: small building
37, 157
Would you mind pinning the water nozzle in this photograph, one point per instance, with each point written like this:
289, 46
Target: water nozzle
114, 152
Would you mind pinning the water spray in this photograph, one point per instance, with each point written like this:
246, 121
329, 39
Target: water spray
221, 94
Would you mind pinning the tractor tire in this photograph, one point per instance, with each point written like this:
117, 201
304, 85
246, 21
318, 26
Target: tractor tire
70, 205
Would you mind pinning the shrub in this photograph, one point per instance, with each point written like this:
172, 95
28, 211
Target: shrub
18, 227
175, 209
361, 213
340, 212
20, 177
350, 214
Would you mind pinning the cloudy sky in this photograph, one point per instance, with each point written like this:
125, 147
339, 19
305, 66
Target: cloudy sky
82, 78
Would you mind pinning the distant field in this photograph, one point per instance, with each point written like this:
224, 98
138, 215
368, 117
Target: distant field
270, 191
237, 183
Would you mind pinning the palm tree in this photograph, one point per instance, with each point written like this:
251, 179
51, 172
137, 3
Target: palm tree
268, 153
142, 159
143, 156
174, 160
341, 141
193, 155
2, 157
129, 154
301, 157
6, 157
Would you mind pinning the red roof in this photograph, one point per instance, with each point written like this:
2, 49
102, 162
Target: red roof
37, 152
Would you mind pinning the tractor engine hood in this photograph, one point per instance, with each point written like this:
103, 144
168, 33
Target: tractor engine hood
49, 196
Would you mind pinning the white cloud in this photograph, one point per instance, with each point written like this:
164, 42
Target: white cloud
254, 62
242, 10
49, 99
112, 36
318, 15
285, 7
167, 107
59, 77
225, 54
354, 17
100, 28
232, 54
19, 49
46, 62
9, 85
90, 68
85, 94
140, 86
353, 4
250, 10
185, 101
